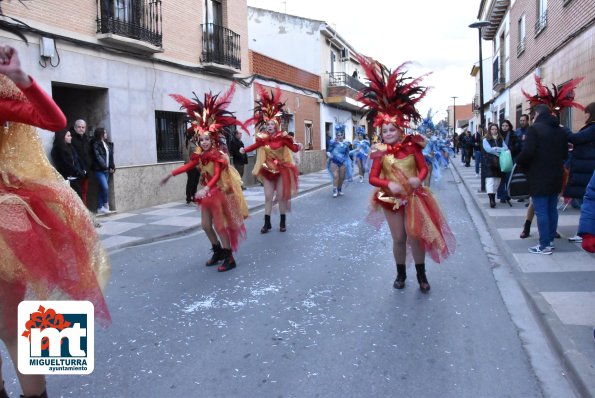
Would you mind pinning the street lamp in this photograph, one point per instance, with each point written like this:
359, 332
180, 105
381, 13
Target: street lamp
454, 115
479, 25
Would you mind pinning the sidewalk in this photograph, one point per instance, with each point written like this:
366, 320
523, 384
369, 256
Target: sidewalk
560, 287
120, 230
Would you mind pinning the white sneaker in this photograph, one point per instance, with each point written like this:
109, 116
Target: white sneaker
102, 210
575, 239
361, 178
335, 193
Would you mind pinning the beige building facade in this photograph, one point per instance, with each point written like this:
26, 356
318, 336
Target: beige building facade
114, 64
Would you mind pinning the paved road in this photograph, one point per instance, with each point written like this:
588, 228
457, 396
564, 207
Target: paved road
312, 313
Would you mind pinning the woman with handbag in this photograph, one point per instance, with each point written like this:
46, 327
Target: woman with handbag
493, 145
511, 142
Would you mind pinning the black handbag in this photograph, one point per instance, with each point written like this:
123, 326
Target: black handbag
518, 185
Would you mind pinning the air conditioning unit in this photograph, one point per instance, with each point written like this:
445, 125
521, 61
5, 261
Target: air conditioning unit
344, 54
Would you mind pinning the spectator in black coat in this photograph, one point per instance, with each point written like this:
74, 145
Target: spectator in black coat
546, 148
82, 145
66, 160
239, 159
582, 160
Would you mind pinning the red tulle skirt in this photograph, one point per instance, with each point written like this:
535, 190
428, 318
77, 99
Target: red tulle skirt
49, 246
288, 173
227, 216
423, 221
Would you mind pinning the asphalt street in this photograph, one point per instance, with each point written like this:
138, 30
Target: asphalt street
312, 313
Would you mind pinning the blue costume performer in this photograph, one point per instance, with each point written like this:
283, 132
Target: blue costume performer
359, 154
339, 162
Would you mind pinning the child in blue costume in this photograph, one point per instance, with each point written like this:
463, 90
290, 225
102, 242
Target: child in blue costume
359, 154
339, 162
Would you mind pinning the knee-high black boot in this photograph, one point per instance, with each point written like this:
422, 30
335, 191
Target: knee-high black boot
424, 285
282, 226
401, 276
217, 255
267, 224
42, 395
492, 197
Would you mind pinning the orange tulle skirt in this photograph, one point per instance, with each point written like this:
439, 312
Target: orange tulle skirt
288, 173
49, 247
423, 220
227, 215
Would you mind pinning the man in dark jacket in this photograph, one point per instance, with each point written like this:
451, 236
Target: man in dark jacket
80, 143
543, 155
238, 159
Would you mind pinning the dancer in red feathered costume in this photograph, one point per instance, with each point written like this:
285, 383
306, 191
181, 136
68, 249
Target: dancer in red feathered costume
274, 165
222, 203
48, 246
398, 167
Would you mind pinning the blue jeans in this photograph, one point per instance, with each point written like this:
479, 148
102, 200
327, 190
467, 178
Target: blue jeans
103, 188
547, 218
477, 156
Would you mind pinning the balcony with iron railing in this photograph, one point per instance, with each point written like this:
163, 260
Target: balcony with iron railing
135, 23
541, 22
342, 79
520, 48
498, 76
220, 48
343, 90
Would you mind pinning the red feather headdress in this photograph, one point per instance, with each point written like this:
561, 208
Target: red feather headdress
210, 116
557, 98
268, 106
391, 96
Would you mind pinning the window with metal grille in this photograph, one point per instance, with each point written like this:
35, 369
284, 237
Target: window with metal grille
308, 134
170, 130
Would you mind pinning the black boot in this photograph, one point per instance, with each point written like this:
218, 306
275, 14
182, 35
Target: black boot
424, 286
282, 227
267, 224
3, 393
526, 229
217, 255
228, 263
492, 197
42, 395
401, 276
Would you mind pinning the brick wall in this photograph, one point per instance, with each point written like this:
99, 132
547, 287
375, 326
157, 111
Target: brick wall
265, 66
574, 60
562, 22
181, 23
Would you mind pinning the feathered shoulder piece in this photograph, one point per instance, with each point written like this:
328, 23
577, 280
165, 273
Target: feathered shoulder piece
268, 107
209, 116
391, 96
556, 98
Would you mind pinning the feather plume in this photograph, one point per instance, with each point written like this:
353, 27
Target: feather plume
268, 106
391, 96
209, 116
556, 98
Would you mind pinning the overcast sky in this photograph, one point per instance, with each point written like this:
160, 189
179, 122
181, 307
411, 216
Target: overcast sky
432, 33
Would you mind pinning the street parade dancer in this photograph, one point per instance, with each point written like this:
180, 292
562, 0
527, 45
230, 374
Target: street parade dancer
361, 148
338, 160
222, 204
274, 165
413, 215
48, 244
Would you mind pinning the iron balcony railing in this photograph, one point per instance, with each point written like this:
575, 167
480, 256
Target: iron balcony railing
520, 47
342, 79
220, 46
135, 19
541, 22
